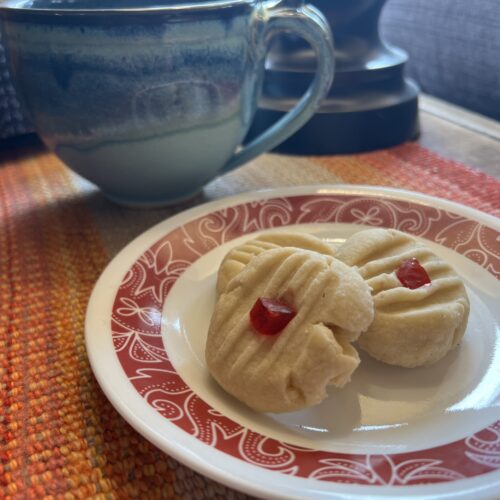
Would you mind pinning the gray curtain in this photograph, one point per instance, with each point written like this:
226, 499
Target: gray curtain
12, 121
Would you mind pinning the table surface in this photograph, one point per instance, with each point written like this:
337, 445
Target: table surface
462, 142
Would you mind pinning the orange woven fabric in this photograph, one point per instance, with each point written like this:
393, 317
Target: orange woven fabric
60, 438
415, 168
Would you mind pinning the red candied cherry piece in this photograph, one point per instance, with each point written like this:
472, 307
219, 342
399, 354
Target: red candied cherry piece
412, 275
270, 316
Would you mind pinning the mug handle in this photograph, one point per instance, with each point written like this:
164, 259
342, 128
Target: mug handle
309, 23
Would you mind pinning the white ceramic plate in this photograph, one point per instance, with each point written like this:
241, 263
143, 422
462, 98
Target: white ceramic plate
427, 432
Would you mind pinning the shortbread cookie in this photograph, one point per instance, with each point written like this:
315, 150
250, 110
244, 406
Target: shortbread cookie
237, 258
418, 320
318, 304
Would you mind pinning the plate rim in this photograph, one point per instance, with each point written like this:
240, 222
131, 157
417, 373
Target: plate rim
220, 473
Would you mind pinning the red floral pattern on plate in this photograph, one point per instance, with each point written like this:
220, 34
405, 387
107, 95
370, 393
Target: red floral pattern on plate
138, 343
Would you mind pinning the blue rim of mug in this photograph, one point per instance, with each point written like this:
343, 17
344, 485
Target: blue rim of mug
18, 6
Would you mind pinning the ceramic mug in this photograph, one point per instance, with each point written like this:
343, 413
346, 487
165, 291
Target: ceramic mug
151, 101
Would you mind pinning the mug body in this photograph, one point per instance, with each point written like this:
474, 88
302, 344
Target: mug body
147, 105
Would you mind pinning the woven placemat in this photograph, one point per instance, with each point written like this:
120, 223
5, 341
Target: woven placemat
60, 437
415, 168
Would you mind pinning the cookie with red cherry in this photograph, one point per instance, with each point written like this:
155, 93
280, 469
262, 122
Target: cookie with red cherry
281, 332
421, 304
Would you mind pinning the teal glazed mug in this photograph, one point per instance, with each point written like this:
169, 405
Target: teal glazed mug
151, 100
